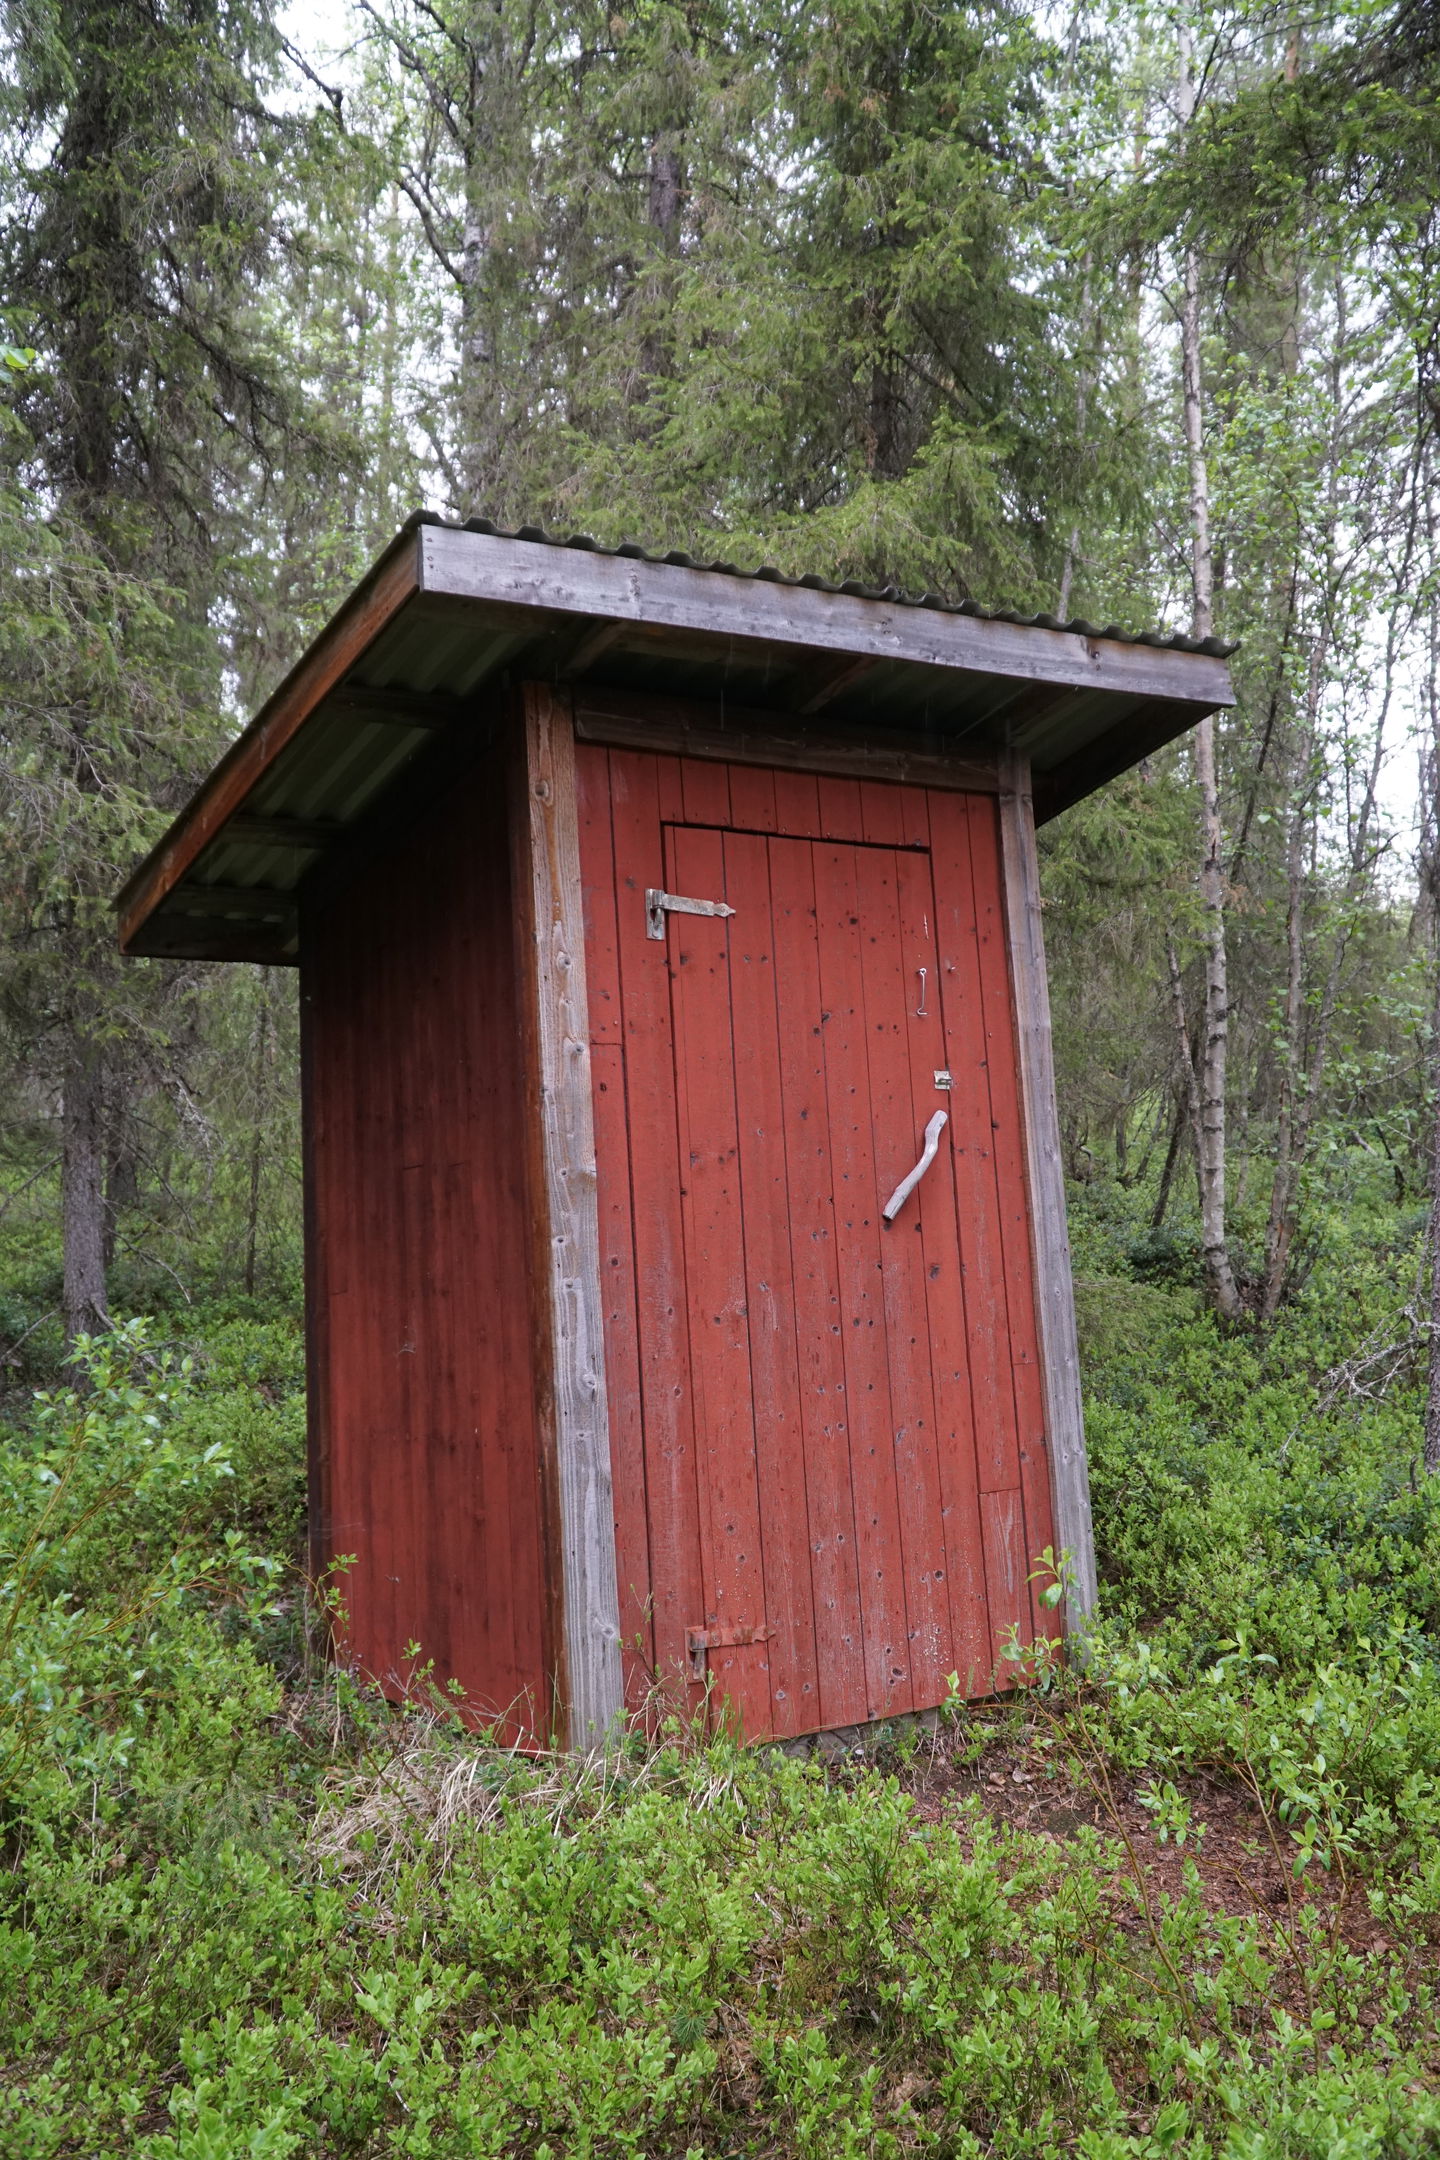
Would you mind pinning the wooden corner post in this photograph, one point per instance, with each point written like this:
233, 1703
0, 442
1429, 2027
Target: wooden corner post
1054, 1285
574, 1416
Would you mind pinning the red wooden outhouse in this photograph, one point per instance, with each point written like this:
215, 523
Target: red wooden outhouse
689, 1301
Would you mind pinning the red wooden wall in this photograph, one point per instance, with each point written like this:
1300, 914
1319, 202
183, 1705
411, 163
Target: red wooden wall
823, 1431
827, 1436
423, 1420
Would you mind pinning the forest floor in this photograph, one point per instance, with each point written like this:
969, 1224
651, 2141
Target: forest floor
1184, 1900
1241, 1857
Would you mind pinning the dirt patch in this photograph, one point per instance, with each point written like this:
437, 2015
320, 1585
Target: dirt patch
1244, 1859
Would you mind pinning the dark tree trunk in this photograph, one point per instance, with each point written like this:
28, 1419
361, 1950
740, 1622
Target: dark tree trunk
257, 1132
1172, 1157
666, 182
82, 1177
1432, 1402
663, 210
122, 1179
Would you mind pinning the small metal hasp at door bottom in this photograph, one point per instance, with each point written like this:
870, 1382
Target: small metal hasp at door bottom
699, 1640
907, 1185
660, 904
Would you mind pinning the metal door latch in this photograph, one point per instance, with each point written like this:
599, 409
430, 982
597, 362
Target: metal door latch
660, 904
699, 1640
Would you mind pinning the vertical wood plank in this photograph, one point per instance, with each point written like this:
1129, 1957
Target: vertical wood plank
597, 790
767, 1202
639, 786
824, 1405
622, 1375
567, 1219
1002, 1519
797, 804
944, 1297
597, 878
705, 791
712, 1212
897, 1126
752, 798
987, 1317
841, 814
1007, 1118
882, 814
670, 788
1060, 1358
317, 1282
858, 1201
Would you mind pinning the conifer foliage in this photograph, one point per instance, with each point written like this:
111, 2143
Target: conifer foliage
151, 203
1090, 315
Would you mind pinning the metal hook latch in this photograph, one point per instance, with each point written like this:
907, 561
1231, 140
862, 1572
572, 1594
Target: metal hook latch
659, 904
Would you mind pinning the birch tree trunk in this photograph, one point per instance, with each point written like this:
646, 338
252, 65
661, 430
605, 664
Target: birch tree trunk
1432, 1401
1214, 1034
1280, 1228
1431, 874
477, 347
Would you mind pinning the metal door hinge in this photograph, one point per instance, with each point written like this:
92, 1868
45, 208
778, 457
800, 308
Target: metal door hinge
660, 904
699, 1640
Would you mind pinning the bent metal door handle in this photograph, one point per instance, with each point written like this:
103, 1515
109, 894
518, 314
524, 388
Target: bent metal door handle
660, 904
907, 1185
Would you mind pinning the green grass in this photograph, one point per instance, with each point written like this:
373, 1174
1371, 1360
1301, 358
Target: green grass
247, 1909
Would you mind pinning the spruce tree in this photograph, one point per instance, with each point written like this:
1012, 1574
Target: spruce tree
151, 191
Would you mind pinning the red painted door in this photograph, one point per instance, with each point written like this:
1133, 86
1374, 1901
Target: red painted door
821, 1420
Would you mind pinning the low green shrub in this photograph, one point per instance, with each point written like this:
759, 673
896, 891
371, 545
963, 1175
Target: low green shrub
248, 1909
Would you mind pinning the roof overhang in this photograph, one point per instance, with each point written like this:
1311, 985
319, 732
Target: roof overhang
448, 614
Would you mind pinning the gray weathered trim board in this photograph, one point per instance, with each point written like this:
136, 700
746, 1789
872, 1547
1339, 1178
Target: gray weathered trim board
479, 566
1054, 1284
569, 1239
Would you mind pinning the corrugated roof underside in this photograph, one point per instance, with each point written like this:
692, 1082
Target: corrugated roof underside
345, 758
342, 761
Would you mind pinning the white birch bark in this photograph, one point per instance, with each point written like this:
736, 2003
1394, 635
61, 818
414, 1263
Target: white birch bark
1214, 1037
1432, 877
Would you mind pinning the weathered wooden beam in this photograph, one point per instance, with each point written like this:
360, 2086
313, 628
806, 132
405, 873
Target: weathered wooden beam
595, 641
477, 566
574, 1407
255, 902
247, 829
817, 689
398, 708
374, 603
1054, 1283
171, 937
633, 721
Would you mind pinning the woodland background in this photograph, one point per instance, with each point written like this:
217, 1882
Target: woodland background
1120, 314
1129, 313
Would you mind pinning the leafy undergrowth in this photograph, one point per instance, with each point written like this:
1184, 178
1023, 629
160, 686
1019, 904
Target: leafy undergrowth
1183, 1899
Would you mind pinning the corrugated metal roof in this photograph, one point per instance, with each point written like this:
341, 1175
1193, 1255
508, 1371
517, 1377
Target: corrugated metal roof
451, 612
767, 574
